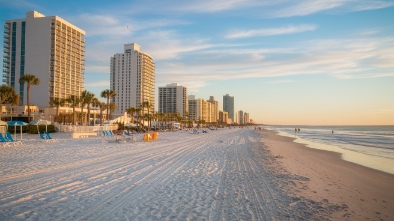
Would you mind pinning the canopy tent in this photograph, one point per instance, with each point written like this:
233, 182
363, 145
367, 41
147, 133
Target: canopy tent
17, 123
3, 126
41, 122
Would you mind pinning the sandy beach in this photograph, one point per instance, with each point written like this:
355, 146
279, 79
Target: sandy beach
226, 174
357, 192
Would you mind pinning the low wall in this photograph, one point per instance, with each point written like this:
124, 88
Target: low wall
83, 134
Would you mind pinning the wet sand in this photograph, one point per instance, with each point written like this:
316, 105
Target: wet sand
350, 191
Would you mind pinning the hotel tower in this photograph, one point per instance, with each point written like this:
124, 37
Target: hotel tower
50, 48
173, 99
132, 78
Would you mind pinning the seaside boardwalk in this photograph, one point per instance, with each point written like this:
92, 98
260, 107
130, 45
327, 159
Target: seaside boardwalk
226, 174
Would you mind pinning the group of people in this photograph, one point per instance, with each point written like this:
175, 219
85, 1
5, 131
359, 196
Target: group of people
297, 130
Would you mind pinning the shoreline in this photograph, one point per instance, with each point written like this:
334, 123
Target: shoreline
358, 191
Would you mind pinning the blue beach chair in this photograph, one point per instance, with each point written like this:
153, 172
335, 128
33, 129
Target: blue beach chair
47, 135
43, 137
9, 138
2, 139
5, 141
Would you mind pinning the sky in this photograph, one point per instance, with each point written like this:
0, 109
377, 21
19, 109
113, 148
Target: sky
289, 62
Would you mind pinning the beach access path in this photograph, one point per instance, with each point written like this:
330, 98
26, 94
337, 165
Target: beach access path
226, 174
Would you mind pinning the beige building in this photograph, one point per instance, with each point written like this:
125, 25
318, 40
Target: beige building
132, 78
223, 117
214, 109
200, 109
50, 48
246, 118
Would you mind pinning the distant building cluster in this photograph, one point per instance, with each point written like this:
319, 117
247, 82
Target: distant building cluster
54, 51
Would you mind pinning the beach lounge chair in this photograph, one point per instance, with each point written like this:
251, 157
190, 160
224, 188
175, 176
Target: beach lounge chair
43, 137
3, 141
47, 135
110, 132
9, 138
127, 133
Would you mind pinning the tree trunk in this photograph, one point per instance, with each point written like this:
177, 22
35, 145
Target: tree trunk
28, 103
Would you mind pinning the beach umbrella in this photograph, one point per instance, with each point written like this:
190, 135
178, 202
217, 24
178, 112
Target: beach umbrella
17, 123
41, 122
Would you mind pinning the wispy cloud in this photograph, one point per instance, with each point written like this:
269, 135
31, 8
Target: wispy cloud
291, 29
168, 45
282, 8
308, 7
109, 25
341, 58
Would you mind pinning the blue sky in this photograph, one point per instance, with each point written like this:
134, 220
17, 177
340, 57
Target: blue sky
302, 62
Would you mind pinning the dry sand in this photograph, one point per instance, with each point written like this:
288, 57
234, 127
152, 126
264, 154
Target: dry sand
350, 191
227, 174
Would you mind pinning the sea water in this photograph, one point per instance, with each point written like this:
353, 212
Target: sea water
370, 146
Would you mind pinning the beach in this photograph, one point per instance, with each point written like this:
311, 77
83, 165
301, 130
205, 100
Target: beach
362, 193
225, 174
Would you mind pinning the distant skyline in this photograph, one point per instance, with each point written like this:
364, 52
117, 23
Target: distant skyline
303, 62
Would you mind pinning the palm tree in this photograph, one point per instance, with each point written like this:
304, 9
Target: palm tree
7, 96
148, 106
96, 103
58, 102
73, 101
108, 94
30, 80
112, 107
102, 107
131, 111
89, 100
138, 112
85, 99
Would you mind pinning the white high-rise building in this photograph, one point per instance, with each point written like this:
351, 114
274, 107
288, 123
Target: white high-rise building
173, 99
50, 48
133, 79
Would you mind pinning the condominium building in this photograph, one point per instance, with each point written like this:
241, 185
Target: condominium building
132, 76
223, 117
50, 48
246, 118
228, 106
241, 119
214, 109
173, 99
200, 109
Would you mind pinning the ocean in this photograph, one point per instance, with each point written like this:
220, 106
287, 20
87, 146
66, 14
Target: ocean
370, 146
